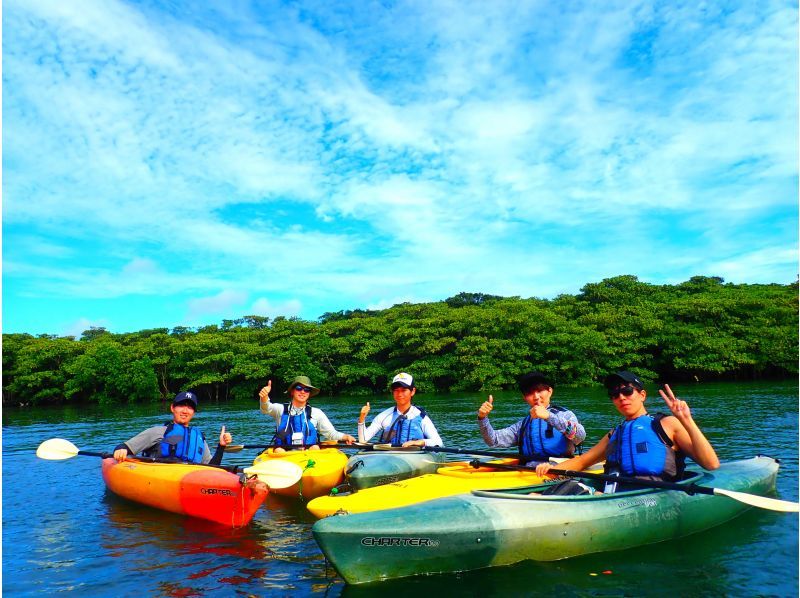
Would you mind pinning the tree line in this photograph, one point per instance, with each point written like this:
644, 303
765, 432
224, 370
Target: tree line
701, 329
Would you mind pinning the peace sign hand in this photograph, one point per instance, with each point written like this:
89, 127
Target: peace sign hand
679, 408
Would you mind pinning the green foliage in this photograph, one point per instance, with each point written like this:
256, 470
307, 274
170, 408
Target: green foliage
700, 329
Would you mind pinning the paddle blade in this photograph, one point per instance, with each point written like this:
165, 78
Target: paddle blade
234, 448
56, 449
276, 473
773, 504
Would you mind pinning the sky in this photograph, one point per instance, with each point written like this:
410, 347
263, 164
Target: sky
180, 163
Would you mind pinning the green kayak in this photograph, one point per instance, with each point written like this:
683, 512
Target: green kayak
368, 469
488, 528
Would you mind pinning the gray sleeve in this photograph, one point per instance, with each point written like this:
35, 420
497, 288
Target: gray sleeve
146, 440
567, 423
499, 438
206, 452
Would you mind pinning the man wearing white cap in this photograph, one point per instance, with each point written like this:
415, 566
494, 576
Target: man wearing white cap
404, 424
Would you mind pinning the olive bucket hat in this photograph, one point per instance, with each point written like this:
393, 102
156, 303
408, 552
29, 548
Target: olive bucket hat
305, 381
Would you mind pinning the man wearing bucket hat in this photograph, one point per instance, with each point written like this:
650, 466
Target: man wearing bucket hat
404, 424
298, 424
547, 431
645, 446
176, 439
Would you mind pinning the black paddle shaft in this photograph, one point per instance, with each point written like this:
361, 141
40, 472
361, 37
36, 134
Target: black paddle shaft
456, 451
688, 488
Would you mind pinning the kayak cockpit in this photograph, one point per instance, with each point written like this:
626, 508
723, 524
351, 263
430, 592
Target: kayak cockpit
535, 492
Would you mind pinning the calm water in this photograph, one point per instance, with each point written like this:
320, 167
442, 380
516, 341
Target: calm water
62, 532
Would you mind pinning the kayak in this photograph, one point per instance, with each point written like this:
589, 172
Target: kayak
194, 490
501, 527
377, 467
450, 479
322, 470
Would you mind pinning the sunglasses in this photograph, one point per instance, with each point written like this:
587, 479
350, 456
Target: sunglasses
302, 388
622, 390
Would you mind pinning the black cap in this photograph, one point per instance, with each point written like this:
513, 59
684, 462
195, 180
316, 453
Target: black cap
185, 397
623, 377
532, 379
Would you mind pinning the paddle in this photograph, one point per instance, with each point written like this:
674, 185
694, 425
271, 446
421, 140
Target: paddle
276, 473
236, 448
753, 500
456, 451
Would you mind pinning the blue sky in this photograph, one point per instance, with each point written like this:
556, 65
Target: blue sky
175, 164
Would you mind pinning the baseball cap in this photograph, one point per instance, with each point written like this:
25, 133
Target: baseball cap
623, 377
185, 397
404, 380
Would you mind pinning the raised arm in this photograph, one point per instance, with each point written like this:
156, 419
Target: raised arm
685, 433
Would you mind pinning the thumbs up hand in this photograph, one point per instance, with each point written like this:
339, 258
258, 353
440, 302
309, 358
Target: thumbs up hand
362, 417
225, 438
486, 408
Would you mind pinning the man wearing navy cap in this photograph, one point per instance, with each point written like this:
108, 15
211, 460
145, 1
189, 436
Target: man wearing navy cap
176, 439
645, 446
546, 431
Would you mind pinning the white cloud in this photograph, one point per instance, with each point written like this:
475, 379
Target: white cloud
221, 304
264, 307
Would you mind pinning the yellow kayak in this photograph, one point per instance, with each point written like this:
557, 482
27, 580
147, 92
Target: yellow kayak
322, 470
455, 478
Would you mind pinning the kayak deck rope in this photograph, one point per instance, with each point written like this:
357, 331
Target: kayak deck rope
309, 464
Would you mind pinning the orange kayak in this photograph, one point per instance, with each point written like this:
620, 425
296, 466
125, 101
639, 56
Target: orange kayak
193, 490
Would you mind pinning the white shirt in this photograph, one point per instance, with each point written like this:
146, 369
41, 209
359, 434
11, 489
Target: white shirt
386, 418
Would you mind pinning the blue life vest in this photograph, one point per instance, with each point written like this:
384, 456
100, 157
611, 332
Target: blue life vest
290, 424
538, 440
180, 442
641, 448
403, 429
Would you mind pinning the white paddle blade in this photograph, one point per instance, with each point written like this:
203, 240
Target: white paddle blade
276, 473
773, 504
56, 449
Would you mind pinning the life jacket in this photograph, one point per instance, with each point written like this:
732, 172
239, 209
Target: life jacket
538, 440
641, 448
403, 428
184, 443
295, 424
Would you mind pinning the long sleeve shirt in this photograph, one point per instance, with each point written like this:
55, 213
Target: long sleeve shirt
148, 441
562, 421
318, 419
384, 420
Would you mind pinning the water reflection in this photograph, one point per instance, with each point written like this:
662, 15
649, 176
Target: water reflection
74, 536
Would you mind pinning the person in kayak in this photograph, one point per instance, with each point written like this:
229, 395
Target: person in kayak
176, 439
645, 446
298, 424
404, 424
547, 431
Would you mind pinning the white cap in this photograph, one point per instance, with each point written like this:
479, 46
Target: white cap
403, 379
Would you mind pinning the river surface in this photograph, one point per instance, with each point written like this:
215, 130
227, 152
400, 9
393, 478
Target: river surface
64, 533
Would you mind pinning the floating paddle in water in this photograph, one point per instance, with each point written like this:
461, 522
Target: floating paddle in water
763, 502
275, 473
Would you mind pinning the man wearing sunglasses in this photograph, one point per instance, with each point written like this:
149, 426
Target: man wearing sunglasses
404, 424
645, 446
547, 431
298, 424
